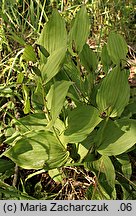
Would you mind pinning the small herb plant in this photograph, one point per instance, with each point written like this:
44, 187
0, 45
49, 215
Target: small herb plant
77, 109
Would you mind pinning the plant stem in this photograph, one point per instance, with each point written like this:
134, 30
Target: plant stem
15, 176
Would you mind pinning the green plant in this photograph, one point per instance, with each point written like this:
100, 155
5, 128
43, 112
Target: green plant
67, 102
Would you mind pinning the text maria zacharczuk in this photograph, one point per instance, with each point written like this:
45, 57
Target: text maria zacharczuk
54, 206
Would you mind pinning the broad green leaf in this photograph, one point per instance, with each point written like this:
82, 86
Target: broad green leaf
127, 192
37, 98
88, 58
36, 150
88, 86
10, 140
29, 54
104, 171
59, 125
97, 193
127, 170
80, 30
54, 36
5, 165
130, 109
86, 148
83, 151
114, 92
14, 194
118, 137
36, 71
126, 165
56, 175
36, 121
105, 59
44, 51
56, 98
81, 122
73, 73
53, 65
117, 47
